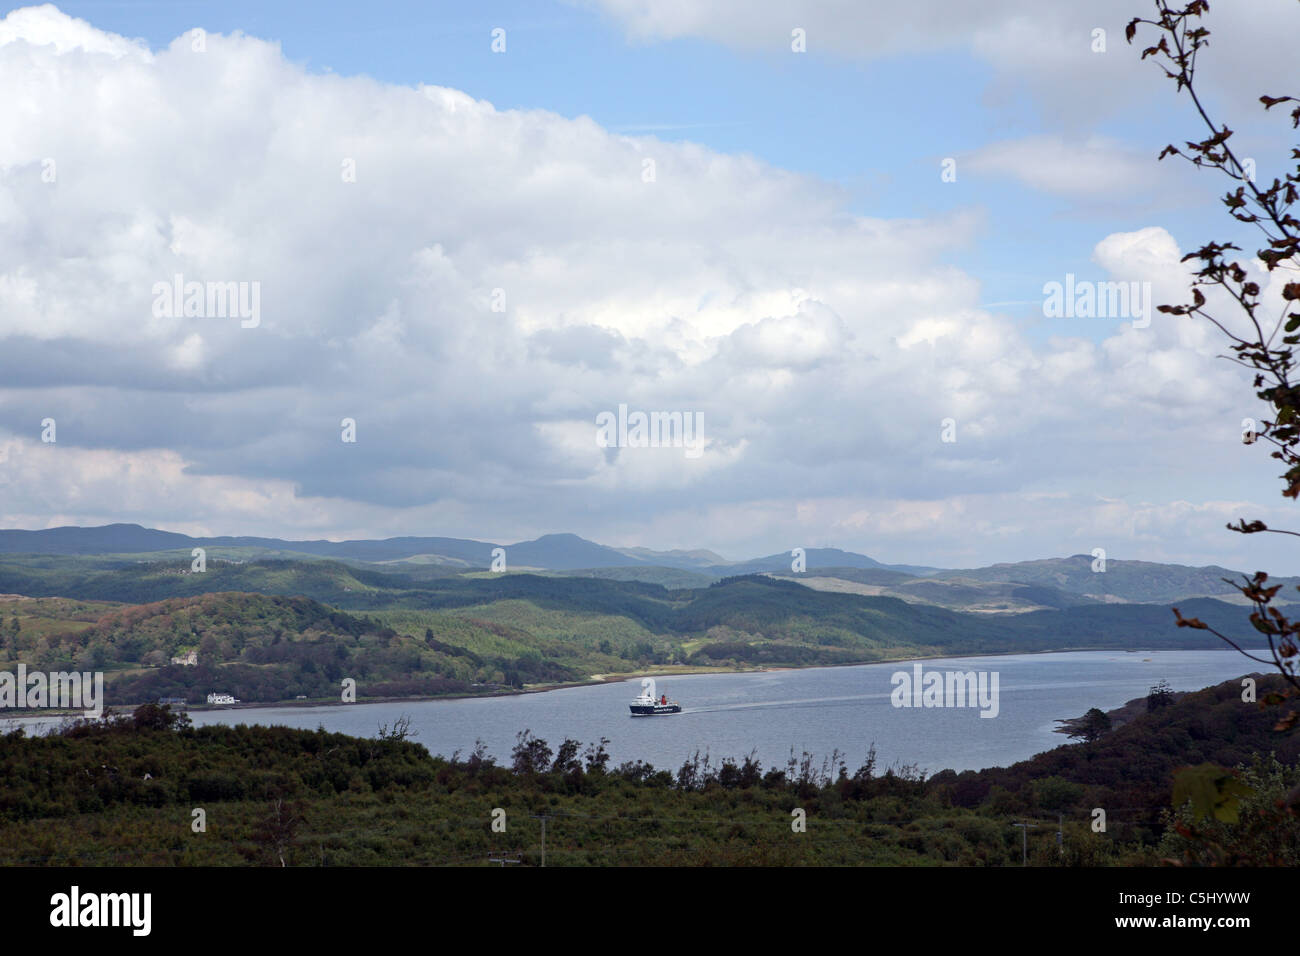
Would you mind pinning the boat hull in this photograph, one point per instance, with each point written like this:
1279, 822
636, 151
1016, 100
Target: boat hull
654, 710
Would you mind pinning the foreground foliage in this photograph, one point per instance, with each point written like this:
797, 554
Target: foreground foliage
125, 791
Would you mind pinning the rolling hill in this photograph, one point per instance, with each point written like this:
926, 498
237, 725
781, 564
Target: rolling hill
437, 621
275, 629
1060, 582
1143, 582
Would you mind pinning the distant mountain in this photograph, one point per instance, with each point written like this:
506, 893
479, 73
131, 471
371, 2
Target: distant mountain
551, 552
109, 539
677, 558
883, 577
565, 552
813, 558
1141, 582
963, 593
1050, 582
959, 594
133, 539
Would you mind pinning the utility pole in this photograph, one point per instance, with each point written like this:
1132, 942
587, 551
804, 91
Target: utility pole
1024, 840
1060, 834
544, 817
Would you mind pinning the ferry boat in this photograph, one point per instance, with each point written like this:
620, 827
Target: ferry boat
648, 705
222, 699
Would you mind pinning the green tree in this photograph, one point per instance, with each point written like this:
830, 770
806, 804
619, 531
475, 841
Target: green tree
597, 757
1161, 695
530, 754
1094, 725
566, 758
45, 653
209, 650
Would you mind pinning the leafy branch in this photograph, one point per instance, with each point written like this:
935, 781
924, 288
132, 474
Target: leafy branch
1266, 344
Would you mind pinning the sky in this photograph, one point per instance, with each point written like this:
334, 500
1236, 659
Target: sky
462, 235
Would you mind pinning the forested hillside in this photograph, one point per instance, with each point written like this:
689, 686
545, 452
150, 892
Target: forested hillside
279, 630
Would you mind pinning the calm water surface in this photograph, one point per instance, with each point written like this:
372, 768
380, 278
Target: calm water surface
816, 710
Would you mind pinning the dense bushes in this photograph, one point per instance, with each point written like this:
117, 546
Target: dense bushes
269, 648
123, 790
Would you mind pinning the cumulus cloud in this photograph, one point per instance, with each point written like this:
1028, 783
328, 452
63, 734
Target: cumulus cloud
474, 286
45, 26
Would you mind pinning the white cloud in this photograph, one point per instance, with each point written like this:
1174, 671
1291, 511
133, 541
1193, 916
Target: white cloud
1094, 167
1044, 49
822, 348
48, 26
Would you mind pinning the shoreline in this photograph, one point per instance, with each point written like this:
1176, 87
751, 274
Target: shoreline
686, 671
596, 679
